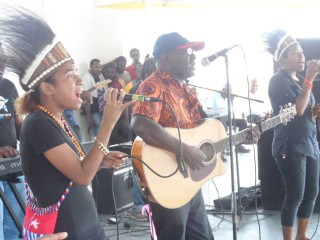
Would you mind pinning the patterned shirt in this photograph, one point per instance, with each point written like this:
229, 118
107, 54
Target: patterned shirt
184, 103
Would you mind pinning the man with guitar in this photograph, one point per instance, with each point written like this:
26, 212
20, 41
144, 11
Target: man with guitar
175, 63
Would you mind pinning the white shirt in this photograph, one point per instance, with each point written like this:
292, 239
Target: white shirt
88, 82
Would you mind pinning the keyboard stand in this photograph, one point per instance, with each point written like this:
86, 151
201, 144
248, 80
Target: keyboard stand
10, 209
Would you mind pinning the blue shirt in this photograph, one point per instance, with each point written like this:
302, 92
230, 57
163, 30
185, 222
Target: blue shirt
299, 135
69, 113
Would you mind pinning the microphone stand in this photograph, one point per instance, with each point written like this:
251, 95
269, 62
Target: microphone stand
233, 193
232, 94
234, 207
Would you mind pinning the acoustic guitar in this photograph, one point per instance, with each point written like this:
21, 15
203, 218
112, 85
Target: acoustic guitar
211, 138
99, 85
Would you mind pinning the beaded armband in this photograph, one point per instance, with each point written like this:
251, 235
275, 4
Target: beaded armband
308, 84
102, 147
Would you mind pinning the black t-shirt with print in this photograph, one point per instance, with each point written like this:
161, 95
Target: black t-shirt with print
77, 214
8, 94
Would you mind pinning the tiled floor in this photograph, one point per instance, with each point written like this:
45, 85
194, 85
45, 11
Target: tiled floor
247, 225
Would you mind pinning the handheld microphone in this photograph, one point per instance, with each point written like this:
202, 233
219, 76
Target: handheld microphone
207, 60
139, 98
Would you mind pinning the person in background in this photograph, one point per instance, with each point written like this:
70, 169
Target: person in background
56, 169
259, 111
120, 133
147, 68
294, 147
134, 81
135, 56
219, 101
10, 127
92, 77
120, 66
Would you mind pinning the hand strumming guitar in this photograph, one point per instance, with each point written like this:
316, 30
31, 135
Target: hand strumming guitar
193, 157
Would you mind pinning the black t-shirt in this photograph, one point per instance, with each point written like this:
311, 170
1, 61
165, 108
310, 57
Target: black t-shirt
8, 94
77, 214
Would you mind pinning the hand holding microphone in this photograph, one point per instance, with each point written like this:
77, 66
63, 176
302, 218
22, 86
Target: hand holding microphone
317, 62
313, 68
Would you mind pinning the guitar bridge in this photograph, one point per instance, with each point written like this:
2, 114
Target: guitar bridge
182, 167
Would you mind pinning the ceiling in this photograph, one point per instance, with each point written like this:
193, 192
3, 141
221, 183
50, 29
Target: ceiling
192, 4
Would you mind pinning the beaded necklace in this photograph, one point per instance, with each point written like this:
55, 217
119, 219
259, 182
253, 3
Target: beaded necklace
66, 129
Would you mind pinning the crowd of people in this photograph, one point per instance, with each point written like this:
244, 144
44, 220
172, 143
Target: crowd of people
56, 170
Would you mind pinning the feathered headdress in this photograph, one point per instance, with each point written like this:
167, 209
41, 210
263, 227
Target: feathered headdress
31, 48
277, 42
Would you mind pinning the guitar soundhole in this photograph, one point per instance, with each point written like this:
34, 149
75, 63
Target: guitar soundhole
208, 150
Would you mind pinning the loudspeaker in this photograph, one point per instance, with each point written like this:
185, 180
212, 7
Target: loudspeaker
109, 184
108, 181
272, 188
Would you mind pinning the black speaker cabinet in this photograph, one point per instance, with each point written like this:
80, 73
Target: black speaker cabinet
108, 183
122, 187
272, 189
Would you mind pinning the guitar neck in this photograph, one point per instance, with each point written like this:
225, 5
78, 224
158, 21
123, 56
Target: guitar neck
92, 88
241, 136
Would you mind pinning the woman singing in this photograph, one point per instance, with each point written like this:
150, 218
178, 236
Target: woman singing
294, 146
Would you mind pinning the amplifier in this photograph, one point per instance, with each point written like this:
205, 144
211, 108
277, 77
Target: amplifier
121, 179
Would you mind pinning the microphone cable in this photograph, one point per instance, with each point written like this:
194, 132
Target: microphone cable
180, 150
254, 151
315, 231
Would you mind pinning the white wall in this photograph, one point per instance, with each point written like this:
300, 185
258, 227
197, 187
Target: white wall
89, 32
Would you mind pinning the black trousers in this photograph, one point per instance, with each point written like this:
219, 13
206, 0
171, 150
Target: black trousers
189, 222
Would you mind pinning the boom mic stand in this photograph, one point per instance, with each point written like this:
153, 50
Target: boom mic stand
233, 193
234, 207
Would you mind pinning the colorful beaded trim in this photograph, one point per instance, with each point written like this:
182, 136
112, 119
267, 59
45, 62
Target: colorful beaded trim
46, 210
53, 59
284, 43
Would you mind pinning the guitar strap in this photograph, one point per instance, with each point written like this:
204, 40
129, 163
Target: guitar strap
122, 83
